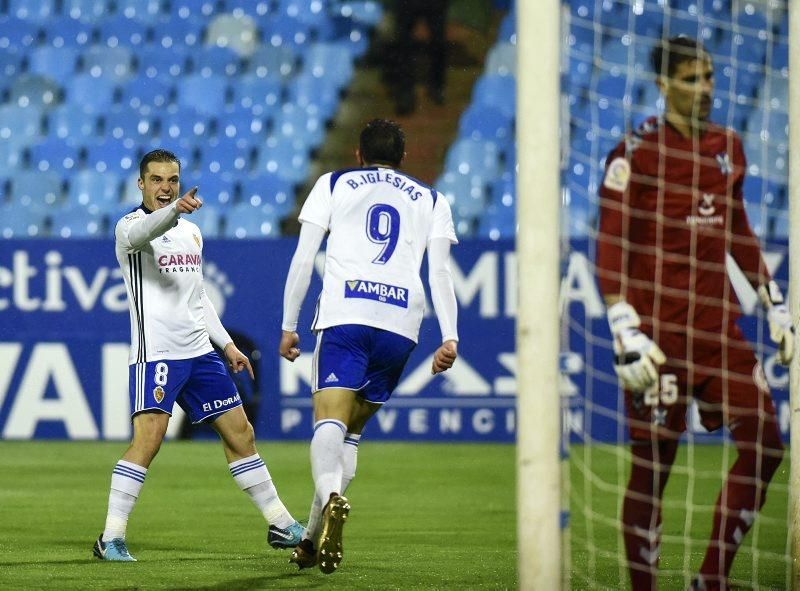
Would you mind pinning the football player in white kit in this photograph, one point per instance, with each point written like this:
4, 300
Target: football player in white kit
379, 222
173, 326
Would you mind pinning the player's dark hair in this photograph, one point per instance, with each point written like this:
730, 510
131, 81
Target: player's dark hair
382, 142
157, 156
670, 53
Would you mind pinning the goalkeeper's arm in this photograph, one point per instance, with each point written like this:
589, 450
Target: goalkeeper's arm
636, 356
781, 327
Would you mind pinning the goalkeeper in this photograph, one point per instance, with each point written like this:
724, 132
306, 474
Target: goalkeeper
671, 210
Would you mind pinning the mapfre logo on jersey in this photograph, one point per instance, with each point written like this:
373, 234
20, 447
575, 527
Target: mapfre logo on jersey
706, 209
618, 174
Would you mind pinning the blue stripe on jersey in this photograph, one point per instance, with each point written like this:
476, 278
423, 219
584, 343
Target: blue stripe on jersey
338, 173
132, 474
247, 466
351, 441
419, 182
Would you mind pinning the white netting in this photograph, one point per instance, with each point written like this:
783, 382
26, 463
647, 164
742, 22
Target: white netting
608, 88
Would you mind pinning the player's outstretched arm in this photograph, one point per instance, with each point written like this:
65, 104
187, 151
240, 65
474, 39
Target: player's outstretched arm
134, 233
636, 356
444, 357
237, 360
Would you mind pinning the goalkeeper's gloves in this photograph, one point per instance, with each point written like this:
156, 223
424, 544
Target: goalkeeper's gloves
781, 327
636, 356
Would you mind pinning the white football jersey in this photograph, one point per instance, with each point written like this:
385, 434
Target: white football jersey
164, 280
380, 222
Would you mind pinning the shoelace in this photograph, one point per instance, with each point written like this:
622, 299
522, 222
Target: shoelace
119, 546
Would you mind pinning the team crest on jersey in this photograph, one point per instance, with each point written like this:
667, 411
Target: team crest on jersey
724, 162
158, 394
196, 239
618, 174
380, 292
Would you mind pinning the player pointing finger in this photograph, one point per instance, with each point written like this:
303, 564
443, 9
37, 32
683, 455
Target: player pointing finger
189, 203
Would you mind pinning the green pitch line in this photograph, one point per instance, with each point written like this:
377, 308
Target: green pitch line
425, 516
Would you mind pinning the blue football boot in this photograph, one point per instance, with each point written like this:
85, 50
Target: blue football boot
277, 537
115, 550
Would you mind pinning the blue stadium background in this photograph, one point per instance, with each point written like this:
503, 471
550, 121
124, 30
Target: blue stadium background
245, 92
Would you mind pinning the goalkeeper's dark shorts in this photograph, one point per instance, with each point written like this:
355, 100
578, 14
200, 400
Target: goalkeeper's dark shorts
722, 375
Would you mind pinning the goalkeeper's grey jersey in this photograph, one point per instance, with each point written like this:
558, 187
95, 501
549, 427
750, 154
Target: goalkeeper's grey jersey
164, 278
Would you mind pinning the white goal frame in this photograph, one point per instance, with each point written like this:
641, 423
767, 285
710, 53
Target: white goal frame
537, 245
794, 286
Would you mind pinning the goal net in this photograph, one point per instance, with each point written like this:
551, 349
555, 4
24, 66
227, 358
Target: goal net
608, 89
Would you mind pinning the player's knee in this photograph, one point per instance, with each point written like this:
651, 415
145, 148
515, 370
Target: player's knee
244, 435
248, 433
149, 430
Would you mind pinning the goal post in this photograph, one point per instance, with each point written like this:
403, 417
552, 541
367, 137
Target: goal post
607, 89
537, 245
794, 289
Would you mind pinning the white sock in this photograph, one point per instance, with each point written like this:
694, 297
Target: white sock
127, 480
252, 476
326, 457
314, 518
349, 459
349, 462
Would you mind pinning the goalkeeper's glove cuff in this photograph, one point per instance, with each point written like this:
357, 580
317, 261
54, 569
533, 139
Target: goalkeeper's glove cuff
781, 327
622, 316
770, 294
636, 356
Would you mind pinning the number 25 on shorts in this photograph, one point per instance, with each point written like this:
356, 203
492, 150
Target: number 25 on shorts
664, 392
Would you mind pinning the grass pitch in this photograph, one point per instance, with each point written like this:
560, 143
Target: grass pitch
599, 475
425, 516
